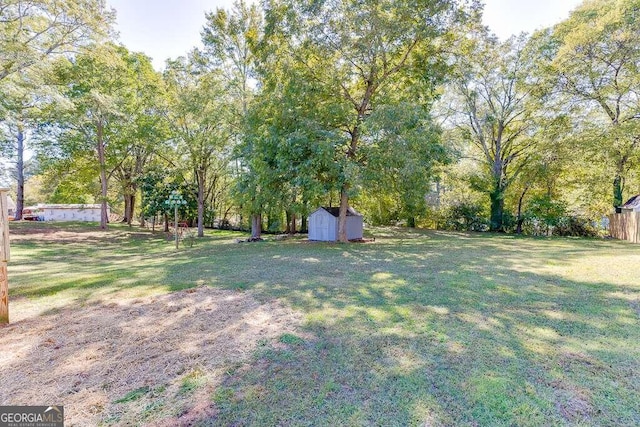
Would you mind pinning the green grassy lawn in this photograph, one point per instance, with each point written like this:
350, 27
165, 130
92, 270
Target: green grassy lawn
416, 328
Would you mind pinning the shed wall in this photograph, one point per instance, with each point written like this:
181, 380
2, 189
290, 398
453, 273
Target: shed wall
354, 227
323, 226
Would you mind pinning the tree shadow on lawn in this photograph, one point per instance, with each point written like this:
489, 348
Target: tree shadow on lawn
445, 330
450, 369
447, 343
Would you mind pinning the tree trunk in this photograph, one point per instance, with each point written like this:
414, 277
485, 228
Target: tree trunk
342, 217
497, 209
104, 217
520, 219
351, 155
166, 222
201, 183
256, 226
132, 204
303, 224
411, 222
287, 214
127, 202
291, 222
618, 183
129, 205
20, 173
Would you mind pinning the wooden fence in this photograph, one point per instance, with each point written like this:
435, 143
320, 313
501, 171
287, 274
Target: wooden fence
625, 226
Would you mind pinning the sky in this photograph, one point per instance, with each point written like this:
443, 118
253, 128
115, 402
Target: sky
169, 28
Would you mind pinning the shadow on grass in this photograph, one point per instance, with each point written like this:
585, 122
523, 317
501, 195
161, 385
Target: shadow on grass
425, 328
477, 351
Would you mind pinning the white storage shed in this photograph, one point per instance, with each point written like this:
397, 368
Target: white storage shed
632, 205
323, 224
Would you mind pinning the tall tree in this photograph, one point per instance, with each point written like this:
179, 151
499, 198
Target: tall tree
199, 119
597, 64
21, 102
357, 50
493, 111
402, 154
32, 30
99, 88
230, 39
31, 33
287, 153
143, 133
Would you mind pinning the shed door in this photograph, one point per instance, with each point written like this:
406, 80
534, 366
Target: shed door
322, 227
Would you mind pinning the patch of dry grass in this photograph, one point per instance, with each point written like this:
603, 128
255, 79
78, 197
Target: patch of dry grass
132, 361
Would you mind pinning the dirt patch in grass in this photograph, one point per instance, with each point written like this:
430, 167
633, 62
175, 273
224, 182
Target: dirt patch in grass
54, 232
134, 361
572, 402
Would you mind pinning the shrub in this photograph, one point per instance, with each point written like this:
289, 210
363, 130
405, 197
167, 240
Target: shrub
575, 225
543, 215
465, 216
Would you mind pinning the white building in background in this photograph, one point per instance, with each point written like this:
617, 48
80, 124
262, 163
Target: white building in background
11, 208
632, 205
60, 212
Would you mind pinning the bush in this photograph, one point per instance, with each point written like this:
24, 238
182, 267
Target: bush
465, 216
575, 225
544, 213
509, 222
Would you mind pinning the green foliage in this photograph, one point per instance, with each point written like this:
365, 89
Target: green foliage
494, 112
71, 181
287, 154
200, 119
595, 62
34, 30
576, 226
104, 112
156, 186
355, 55
546, 215
402, 153
465, 216
545, 211
379, 208
290, 107
154, 192
230, 39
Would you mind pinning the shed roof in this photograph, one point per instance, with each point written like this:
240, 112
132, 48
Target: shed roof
632, 203
336, 211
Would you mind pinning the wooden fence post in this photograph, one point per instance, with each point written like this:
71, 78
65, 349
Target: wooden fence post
4, 256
